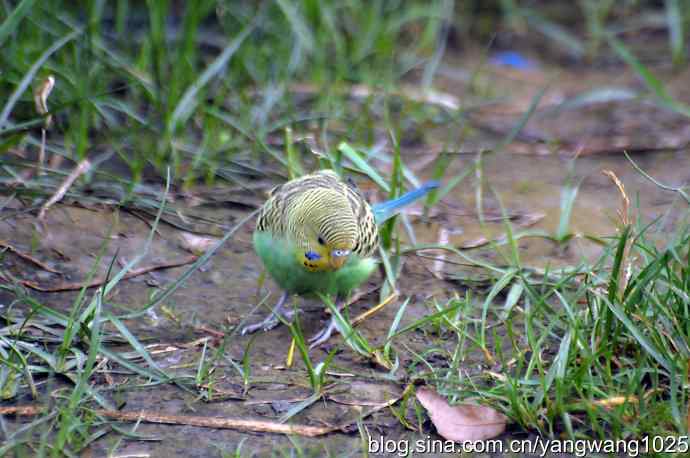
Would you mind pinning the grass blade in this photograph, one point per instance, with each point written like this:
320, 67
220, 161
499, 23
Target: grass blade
189, 101
26, 80
299, 26
363, 166
639, 335
652, 82
523, 119
674, 19
14, 19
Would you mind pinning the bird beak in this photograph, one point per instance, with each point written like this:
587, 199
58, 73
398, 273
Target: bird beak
338, 261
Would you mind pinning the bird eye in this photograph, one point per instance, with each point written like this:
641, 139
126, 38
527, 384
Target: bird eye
320, 240
340, 253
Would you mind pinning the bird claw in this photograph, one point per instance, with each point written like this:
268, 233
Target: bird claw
273, 318
264, 325
268, 323
323, 335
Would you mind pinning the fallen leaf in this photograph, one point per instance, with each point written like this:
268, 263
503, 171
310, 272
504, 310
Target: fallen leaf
462, 422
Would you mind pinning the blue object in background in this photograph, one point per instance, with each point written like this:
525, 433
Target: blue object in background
512, 59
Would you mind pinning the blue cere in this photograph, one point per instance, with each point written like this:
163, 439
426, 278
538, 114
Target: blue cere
312, 256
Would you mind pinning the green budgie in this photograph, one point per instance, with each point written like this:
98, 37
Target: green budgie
317, 234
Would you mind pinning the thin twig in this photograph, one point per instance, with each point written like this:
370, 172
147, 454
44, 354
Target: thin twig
79, 170
28, 257
102, 280
21, 410
363, 316
209, 422
191, 420
207, 330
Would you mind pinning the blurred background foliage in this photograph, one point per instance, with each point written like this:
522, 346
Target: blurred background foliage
202, 85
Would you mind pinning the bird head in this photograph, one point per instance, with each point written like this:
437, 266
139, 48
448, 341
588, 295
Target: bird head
328, 230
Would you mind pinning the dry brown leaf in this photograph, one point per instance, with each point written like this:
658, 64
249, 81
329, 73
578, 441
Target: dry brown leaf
462, 422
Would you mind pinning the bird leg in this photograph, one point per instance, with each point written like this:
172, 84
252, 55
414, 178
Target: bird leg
272, 319
324, 334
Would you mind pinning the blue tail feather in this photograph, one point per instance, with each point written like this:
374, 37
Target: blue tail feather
386, 210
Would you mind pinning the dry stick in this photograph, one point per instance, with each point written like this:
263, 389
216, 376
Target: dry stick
191, 420
218, 423
207, 330
27, 257
21, 410
101, 281
364, 315
80, 169
209, 422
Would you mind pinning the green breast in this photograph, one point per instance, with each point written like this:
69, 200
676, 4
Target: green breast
280, 261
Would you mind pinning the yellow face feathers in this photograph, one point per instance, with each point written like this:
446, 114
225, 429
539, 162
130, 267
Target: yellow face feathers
322, 257
326, 219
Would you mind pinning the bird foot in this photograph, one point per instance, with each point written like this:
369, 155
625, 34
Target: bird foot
268, 323
323, 335
273, 318
264, 325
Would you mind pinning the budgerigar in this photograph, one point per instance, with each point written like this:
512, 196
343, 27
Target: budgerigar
317, 234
